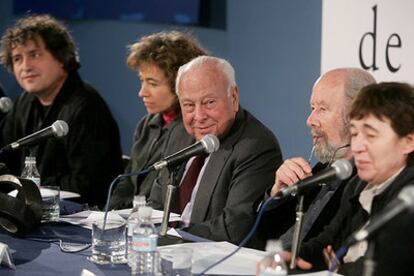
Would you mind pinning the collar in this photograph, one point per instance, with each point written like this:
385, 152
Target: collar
236, 130
377, 189
157, 121
403, 178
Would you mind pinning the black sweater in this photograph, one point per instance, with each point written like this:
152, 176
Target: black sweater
87, 159
351, 217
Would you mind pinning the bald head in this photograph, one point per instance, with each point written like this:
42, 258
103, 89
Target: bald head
331, 99
351, 79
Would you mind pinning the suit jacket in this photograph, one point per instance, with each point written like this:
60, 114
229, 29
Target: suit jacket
394, 246
351, 217
235, 177
279, 217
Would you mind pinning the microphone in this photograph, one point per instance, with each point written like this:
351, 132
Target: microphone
341, 169
6, 104
57, 129
208, 144
404, 200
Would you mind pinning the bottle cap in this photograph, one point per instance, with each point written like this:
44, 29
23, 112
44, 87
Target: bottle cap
30, 159
145, 212
274, 246
139, 200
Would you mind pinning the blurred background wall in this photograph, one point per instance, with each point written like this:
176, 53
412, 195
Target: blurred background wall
274, 46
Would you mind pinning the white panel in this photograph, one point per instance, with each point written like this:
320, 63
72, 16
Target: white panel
344, 23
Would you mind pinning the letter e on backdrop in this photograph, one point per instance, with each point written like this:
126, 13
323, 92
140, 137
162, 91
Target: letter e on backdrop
377, 36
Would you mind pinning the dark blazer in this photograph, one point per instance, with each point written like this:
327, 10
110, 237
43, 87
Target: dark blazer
394, 246
149, 138
351, 217
235, 177
280, 216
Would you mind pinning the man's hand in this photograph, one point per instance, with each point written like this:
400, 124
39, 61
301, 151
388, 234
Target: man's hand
291, 171
300, 263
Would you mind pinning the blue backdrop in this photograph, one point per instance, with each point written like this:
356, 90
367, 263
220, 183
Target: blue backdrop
274, 46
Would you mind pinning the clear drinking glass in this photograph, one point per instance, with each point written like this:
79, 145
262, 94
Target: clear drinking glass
108, 244
50, 203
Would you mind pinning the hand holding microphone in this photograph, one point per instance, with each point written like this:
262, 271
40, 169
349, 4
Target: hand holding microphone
341, 169
290, 172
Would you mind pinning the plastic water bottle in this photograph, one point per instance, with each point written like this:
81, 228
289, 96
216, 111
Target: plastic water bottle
144, 245
132, 222
30, 171
273, 264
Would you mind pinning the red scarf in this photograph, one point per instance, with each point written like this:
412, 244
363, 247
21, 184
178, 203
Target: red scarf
168, 117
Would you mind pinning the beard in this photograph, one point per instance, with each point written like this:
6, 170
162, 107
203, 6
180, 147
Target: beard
325, 152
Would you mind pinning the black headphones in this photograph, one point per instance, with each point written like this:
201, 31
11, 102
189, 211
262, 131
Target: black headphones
19, 214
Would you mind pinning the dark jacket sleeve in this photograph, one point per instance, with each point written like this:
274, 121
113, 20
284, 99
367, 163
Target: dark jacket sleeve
252, 172
125, 189
334, 233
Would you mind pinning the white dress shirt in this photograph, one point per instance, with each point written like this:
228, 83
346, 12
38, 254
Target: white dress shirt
365, 199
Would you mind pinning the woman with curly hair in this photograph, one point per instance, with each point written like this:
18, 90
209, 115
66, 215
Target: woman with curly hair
156, 58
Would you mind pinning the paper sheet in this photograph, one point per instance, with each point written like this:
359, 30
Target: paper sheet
45, 192
85, 218
242, 263
206, 253
156, 215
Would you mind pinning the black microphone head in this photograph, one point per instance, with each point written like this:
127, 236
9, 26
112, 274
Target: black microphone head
6, 104
60, 128
406, 195
343, 168
210, 143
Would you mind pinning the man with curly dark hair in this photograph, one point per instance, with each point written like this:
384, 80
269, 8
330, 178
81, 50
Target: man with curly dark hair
42, 55
156, 58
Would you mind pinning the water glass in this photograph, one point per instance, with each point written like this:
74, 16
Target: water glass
50, 203
176, 261
108, 244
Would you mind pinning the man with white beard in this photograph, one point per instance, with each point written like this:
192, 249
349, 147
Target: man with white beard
328, 121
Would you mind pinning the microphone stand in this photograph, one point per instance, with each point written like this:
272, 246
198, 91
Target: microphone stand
297, 232
171, 188
369, 262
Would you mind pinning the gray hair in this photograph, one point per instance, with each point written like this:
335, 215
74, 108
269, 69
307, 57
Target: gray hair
355, 80
220, 64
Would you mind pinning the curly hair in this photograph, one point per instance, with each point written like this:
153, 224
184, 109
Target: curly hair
167, 50
54, 34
